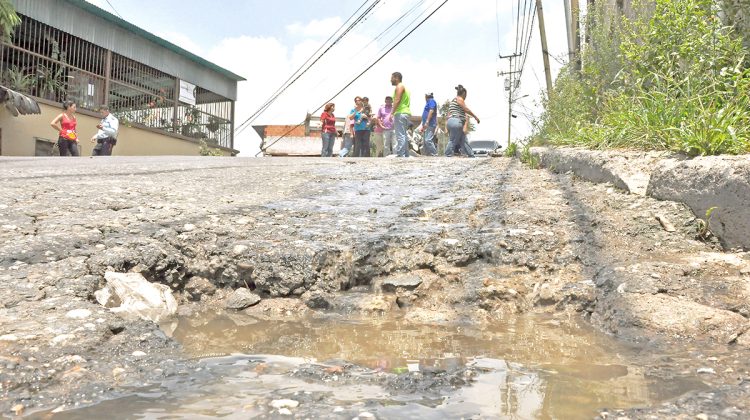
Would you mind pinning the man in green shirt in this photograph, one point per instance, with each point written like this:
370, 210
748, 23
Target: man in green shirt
401, 114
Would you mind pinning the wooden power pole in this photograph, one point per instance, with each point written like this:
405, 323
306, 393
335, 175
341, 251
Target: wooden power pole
510, 87
545, 52
568, 27
575, 12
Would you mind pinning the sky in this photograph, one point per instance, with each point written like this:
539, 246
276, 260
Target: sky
265, 42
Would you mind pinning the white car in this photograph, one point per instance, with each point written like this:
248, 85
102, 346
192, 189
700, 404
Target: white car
485, 148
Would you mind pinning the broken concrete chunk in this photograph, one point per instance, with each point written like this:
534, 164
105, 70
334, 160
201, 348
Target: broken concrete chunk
403, 281
241, 299
139, 298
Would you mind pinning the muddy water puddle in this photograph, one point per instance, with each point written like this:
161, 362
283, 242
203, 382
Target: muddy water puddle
530, 367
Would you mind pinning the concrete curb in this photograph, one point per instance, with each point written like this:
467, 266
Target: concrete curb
705, 182
700, 183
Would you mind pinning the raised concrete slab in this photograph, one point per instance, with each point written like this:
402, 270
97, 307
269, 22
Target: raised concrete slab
705, 182
627, 170
700, 183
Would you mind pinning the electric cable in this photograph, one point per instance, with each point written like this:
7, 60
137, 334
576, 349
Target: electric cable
115, 10
292, 79
359, 75
528, 43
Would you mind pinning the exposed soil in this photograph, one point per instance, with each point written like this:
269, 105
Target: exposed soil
434, 240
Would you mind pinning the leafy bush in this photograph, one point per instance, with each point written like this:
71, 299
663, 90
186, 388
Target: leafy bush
682, 84
206, 150
511, 150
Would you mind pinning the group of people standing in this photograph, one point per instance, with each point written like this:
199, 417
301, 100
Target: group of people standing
391, 123
66, 125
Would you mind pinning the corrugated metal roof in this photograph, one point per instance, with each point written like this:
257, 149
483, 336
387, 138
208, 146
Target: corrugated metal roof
83, 4
89, 22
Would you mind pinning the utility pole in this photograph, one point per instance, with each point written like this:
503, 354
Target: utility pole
575, 11
545, 52
511, 86
568, 30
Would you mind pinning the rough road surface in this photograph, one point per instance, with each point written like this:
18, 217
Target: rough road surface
461, 240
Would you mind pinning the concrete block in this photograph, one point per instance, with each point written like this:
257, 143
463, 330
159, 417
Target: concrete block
704, 182
626, 170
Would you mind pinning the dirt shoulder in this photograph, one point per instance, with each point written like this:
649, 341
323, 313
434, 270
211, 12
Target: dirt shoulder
436, 240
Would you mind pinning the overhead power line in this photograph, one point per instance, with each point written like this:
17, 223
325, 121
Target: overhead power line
115, 10
528, 44
311, 61
360, 74
383, 33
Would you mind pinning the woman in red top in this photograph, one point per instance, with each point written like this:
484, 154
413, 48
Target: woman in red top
65, 125
328, 130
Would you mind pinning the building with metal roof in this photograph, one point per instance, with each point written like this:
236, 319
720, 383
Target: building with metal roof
170, 98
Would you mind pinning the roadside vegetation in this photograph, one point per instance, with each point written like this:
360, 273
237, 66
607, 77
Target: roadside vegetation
674, 75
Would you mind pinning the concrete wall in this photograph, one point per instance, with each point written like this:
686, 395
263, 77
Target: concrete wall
299, 146
700, 183
18, 135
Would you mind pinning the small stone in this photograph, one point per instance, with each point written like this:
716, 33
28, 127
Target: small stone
62, 339
277, 404
518, 232
100, 246
78, 314
138, 353
117, 371
239, 249
702, 416
655, 276
366, 415
338, 409
241, 299
8, 337
706, 370
451, 242
373, 211
285, 412
70, 359
189, 227
10, 227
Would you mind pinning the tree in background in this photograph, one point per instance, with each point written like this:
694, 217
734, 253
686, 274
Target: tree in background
8, 20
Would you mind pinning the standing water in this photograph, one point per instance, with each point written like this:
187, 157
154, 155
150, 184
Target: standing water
528, 367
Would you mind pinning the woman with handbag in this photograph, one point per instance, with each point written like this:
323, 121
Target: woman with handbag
65, 125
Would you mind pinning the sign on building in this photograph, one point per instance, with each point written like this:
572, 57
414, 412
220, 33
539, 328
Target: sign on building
187, 92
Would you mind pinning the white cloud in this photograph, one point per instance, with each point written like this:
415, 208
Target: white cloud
181, 40
265, 64
315, 28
